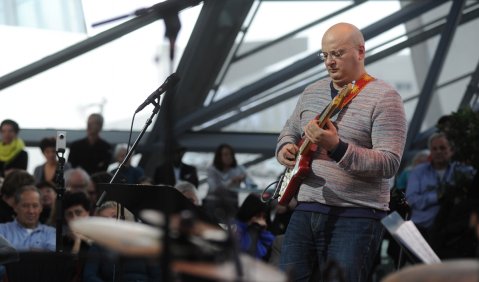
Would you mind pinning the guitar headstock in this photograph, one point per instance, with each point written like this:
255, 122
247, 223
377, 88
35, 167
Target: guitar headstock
343, 93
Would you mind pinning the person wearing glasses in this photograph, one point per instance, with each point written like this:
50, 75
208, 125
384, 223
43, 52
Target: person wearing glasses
336, 228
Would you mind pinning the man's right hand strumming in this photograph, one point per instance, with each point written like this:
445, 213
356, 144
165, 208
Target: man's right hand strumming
287, 155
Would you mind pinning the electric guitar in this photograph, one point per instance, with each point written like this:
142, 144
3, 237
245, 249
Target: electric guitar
291, 179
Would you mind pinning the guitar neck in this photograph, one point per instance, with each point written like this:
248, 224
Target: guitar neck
304, 148
325, 115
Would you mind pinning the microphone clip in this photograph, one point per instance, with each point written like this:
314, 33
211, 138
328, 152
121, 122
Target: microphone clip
169, 83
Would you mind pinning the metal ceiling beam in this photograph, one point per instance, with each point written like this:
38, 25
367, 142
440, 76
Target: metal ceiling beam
294, 32
208, 141
257, 143
144, 17
444, 84
435, 68
243, 142
255, 109
211, 40
472, 88
224, 105
411, 41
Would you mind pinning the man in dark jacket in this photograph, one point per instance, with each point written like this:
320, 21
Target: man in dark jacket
171, 173
91, 153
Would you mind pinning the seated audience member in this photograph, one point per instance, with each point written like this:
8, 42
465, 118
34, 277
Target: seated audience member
419, 158
77, 180
12, 183
189, 191
47, 170
101, 267
177, 170
429, 181
128, 174
75, 206
225, 173
91, 153
252, 222
110, 209
224, 177
48, 197
12, 153
26, 232
107, 209
94, 191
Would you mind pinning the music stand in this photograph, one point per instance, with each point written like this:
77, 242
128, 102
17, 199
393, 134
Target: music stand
42, 266
165, 199
409, 239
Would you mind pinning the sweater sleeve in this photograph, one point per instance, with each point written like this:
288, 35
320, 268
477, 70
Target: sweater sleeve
388, 137
291, 132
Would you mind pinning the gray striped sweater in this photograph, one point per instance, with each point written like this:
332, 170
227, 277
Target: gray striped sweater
374, 126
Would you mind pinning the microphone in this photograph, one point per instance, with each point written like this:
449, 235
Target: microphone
169, 83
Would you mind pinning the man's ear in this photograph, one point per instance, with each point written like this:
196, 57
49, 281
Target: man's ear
361, 52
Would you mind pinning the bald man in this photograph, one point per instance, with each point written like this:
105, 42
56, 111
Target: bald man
346, 193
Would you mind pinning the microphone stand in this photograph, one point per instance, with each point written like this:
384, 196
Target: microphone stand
165, 262
132, 149
60, 189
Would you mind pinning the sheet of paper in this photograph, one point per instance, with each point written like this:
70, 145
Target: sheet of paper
407, 234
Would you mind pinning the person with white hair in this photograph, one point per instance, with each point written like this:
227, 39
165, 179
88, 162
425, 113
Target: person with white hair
77, 180
189, 191
128, 173
429, 182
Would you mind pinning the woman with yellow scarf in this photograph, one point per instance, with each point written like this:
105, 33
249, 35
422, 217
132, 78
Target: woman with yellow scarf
12, 153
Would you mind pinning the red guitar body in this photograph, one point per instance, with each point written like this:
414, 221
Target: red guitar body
292, 178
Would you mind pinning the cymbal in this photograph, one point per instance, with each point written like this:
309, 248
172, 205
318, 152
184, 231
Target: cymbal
187, 224
461, 270
124, 237
253, 270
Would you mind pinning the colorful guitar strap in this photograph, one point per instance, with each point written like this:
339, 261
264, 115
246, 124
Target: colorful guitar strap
358, 86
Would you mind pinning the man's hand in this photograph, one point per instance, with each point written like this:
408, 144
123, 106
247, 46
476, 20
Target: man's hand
287, 155
326, 138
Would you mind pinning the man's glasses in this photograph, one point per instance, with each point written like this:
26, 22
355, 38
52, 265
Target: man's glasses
333, 55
